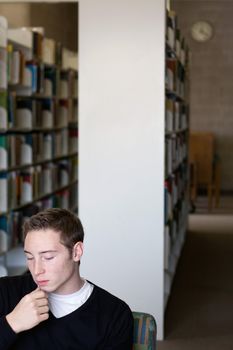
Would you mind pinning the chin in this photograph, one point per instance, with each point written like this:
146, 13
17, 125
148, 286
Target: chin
46, 289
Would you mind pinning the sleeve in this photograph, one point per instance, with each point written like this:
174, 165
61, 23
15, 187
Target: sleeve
121, 331
8, 336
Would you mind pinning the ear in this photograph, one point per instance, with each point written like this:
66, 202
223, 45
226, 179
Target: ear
77, 251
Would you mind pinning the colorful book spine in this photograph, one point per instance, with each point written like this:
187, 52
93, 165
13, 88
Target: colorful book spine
3, 152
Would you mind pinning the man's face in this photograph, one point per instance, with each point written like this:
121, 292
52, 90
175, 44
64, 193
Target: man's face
50, 262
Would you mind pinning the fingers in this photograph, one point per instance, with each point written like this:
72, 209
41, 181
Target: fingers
38, 293
44, 317
41, 302
43, 310
31, 310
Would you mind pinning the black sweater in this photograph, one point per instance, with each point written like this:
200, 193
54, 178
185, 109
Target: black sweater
103, 322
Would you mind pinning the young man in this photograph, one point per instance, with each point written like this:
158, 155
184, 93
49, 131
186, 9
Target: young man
53, 307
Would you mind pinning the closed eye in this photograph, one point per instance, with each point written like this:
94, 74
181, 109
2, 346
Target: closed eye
29, 258
48, 258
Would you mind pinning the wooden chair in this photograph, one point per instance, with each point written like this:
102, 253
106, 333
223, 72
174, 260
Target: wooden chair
205, 171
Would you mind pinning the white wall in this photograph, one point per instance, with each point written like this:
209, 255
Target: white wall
121, 148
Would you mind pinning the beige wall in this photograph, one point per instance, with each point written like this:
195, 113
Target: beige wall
211, 71
18, 15
60, 20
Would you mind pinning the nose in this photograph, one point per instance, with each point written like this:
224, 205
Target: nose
38, 267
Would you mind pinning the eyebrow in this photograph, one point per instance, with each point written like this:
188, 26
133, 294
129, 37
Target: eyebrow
43, 252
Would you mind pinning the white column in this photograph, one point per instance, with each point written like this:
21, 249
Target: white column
121, 148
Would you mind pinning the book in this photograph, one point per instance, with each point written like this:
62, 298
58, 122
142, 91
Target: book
23, 117
15, 68
3, 152
47, 112
3, 192
64, 85
73, 140
11, 107
40, 78
3, 68
48, 51
26, 187
3, 110
169, 115
47, 178
3, 31
64, 172
12, 190
62, 113
37, 42
26, 149
3, 234
47, 146
33, 68
171, 74
64, 142
49, 81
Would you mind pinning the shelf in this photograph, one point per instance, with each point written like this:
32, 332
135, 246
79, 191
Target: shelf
52, 160
173, 53
9, 131
176, 132
174, 95
46, 97
60, 189
36, 94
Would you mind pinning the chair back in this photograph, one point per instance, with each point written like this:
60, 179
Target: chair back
145, 331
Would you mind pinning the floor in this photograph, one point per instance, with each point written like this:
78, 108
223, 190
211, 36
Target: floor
199, 313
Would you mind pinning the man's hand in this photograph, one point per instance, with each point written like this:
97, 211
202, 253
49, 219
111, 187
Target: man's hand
29, 312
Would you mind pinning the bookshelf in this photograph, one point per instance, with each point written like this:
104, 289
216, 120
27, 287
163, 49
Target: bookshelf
38, 134
176, 149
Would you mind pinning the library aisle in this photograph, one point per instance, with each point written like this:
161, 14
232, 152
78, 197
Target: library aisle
199, 312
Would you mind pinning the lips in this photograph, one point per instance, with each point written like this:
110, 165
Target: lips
42, 283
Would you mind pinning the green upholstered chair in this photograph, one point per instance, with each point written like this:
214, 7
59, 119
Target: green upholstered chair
144, 331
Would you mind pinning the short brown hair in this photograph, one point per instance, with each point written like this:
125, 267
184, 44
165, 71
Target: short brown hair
60, 220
